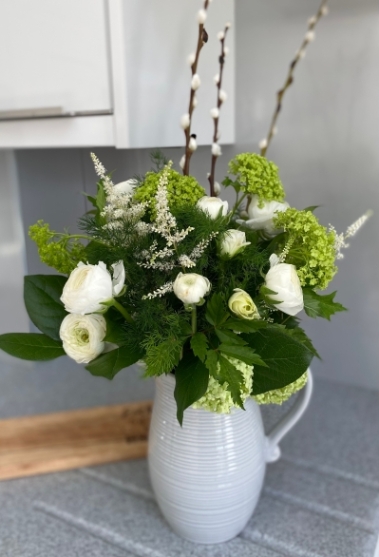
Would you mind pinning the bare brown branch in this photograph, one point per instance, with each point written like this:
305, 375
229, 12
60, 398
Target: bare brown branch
312, 22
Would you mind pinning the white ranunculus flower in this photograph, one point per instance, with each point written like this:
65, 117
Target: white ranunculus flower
89, 286
83, 336
282, 279
213, 206
241, 303
126, 187
191, 288
233, 242
261, 218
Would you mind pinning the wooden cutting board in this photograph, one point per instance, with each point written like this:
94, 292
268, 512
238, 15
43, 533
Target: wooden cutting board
51, 442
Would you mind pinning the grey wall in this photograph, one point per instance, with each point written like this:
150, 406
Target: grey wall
327, 150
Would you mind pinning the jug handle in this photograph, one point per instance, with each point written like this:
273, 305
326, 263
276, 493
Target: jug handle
272, 449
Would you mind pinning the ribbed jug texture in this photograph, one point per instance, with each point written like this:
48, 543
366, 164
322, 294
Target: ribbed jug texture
207, 475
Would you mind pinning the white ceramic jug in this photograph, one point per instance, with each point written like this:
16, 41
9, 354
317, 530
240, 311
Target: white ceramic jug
207, 475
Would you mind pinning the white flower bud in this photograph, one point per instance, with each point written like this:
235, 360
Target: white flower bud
233, 242
83, 336
201, 17
228, 25
241, 303
182, 162
217, 188
191, 58
262, 218
283, 280
263, 143
191, 288
226, 51
274, 130
213, 206
185, 121
118, 280
223, 95
216, 79
192, 146
310, 36
194, 101
89, 286
312, 20
324, 10
195, 83
301, 54
221, 35
215, 113
216, 150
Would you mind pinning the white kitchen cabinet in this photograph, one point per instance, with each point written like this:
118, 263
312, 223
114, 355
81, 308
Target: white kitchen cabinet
81, 73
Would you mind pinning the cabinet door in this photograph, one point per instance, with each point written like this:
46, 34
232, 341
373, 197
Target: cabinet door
53, 57
158, 36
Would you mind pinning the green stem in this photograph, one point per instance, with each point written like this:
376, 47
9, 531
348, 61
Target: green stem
237, 204
194, 320
122, 310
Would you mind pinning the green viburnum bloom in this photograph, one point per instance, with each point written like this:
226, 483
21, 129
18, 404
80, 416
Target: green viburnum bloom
312, 247
56, 250
256, 175
218, 399
181, 190
278, 396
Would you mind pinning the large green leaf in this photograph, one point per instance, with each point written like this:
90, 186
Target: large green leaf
216, 314
245, 325
286, 358
191, 378
109, 364
31, 346
316, 305
243, 353
42, 301
230, 374
229, 337
199, 345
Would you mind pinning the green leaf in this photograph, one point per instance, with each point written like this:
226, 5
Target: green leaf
311, 208
299, 334
215, 313
31, 346
320, 306
191, 377
199, 345
233, 377
245, 325
287, 359
212, 362
42, 300
109, 364
243, 353
229, 337
115, 331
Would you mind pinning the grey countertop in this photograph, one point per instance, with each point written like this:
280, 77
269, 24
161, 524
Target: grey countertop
320, 500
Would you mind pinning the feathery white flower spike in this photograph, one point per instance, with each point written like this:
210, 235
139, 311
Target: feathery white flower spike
215, 113
195, 82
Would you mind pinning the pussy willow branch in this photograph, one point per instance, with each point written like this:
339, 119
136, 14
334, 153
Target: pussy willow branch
201, 40
219, 103
312, 22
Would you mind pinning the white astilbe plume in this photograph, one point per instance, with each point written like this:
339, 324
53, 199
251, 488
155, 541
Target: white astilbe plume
161, 291
286, 249
340, 239
198, 251
120, 205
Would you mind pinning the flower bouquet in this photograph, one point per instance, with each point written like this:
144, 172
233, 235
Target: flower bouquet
205, 296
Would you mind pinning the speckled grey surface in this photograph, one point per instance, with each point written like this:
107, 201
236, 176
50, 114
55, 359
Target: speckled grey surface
320, 500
